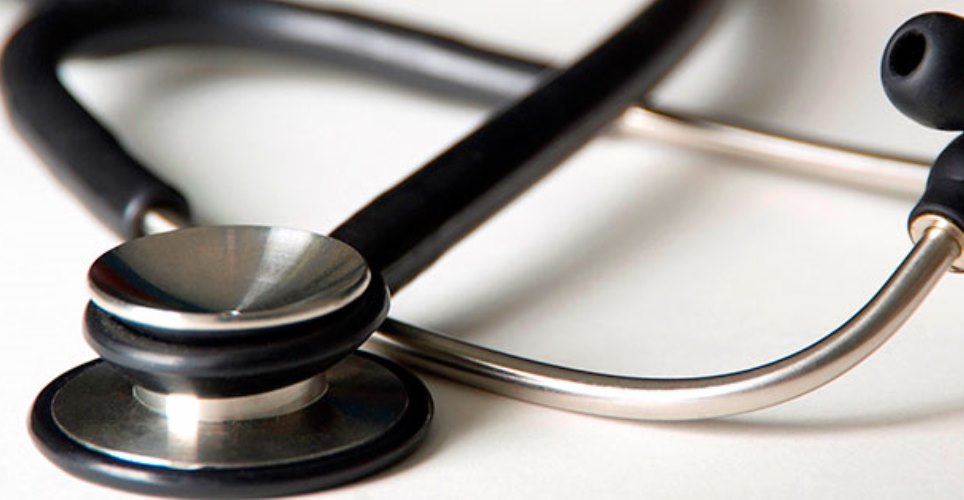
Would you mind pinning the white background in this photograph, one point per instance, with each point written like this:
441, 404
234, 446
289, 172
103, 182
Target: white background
631, 258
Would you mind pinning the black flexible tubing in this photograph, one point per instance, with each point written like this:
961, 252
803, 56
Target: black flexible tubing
408, 227
113, 184
87, 157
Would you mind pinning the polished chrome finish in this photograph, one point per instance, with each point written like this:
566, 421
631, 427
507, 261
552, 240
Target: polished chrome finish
862, 168
98, 410
188, 407
685, 398
921, 224
159, 220
222, 278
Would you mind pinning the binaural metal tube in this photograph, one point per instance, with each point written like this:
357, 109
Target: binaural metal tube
852, 166
681, 398
686, 398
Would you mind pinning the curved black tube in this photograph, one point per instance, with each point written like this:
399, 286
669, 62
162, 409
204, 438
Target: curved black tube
118, 189
409, 227
115, 186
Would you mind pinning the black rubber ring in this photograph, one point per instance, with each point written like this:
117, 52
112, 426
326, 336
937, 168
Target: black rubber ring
250, 362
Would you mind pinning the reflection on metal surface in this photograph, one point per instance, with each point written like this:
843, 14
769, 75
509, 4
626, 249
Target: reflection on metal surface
161, 221
685, 398
184, 408
97, 409
227, 278
863, 168
182, 414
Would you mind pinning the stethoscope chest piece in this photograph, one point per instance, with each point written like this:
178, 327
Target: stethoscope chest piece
229, 369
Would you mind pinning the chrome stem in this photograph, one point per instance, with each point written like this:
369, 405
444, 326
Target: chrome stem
191, 408
685, 398
856, 167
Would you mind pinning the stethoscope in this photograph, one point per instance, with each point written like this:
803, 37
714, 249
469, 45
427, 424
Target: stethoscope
229, 362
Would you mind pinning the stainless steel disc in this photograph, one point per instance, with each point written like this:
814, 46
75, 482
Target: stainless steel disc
98, 410
227, 278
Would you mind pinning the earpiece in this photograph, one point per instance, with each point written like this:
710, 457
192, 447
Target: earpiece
923, 70
923, 75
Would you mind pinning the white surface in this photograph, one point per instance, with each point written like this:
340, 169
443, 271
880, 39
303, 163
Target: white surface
631, 258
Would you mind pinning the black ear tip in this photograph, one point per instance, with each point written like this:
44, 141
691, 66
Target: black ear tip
922, 68
923, 74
